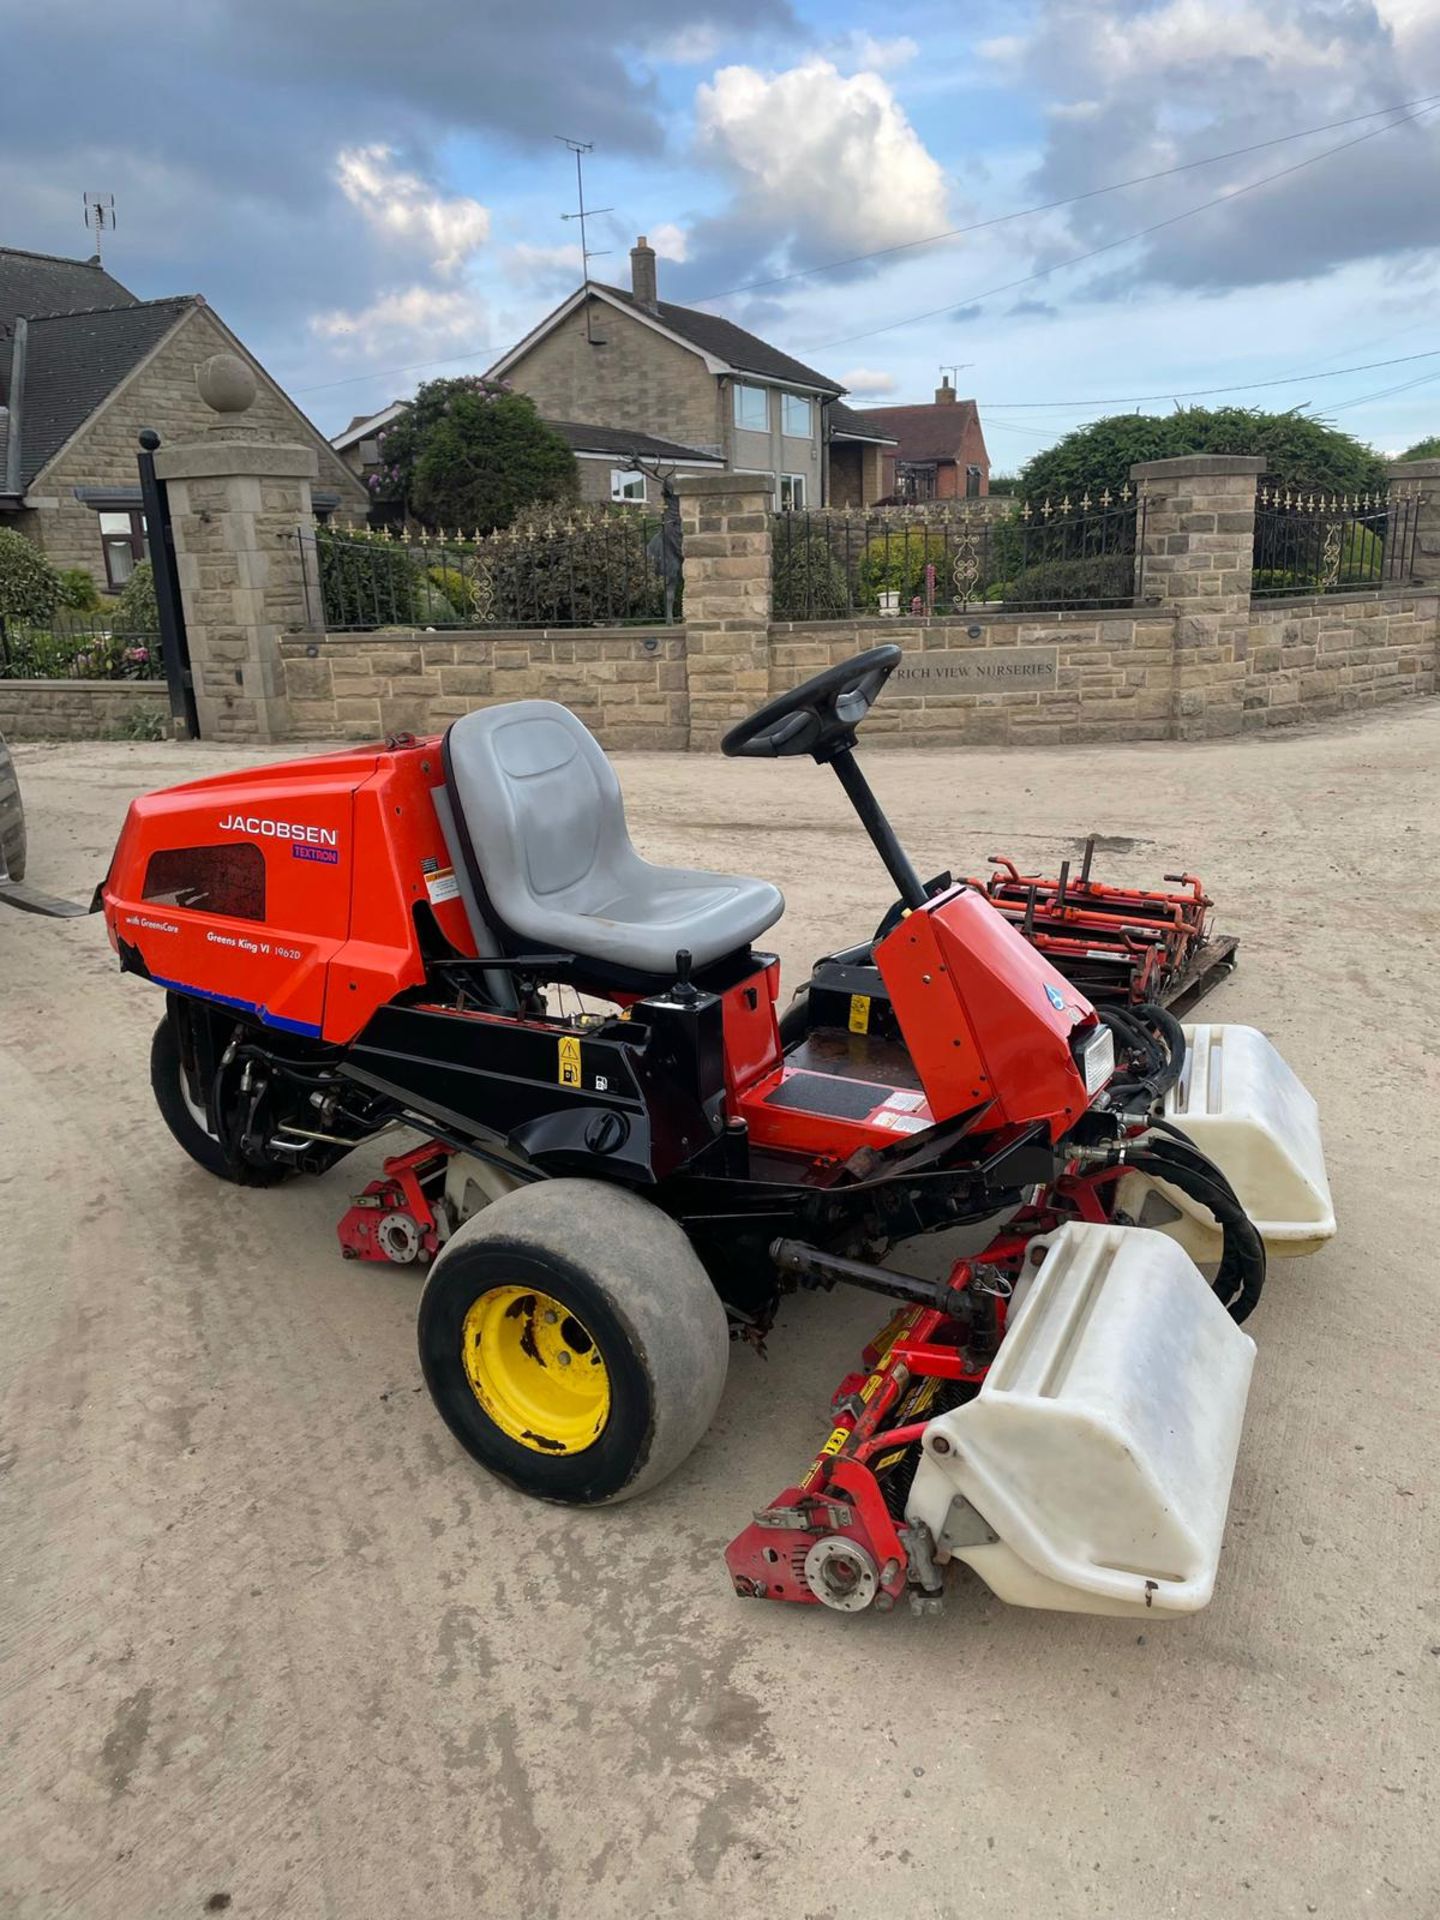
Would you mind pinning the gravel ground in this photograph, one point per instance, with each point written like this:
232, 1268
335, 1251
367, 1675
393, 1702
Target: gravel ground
269, 1643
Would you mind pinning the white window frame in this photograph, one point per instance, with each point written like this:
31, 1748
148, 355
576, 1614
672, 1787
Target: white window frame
744, 390
789, 400
623, 481
792, 492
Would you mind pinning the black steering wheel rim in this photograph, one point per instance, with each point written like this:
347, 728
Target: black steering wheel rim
820, 716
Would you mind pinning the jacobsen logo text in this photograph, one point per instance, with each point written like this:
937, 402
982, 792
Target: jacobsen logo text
263, 829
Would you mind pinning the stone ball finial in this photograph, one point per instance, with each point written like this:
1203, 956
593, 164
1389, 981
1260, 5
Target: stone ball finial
226, 384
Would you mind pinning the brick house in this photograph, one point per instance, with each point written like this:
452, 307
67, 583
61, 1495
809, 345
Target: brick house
613, 464
632, 362
84, 366
939, 451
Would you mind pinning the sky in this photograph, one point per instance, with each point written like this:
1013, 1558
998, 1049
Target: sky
371, 195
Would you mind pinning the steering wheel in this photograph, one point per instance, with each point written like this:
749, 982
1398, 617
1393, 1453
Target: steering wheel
819, 717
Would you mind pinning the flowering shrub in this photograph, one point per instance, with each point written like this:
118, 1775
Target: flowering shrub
469, 455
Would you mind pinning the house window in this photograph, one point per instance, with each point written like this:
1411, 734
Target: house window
752, 408
627, 483
914, 482
370, 452
122, 536
792, 490
797, 416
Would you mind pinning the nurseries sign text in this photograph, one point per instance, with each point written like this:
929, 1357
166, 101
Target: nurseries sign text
978, 670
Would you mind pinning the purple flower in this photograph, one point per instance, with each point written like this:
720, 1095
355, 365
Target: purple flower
137, 656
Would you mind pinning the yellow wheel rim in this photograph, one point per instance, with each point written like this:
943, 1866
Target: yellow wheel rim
535, 1370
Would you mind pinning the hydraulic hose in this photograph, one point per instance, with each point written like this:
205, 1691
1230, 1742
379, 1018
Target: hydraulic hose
1241, 1276
1153, 1033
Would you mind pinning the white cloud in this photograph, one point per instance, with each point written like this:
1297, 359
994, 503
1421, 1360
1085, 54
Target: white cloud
669, 241
692, 46
816, 152
401, 204
868, 380
864, 50
544, 266
409, 320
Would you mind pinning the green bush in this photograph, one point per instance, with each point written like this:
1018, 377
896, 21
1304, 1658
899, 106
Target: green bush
30, 588
367, 580
595, 567
136, 612
1362, 557
1298, 451
456, 588
471, 455
1426, 449
1283, 580
895, 562
1101, 580
77, 590
808, 581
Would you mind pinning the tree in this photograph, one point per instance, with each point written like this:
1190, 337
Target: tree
30, 588
471, 455
1426, 449
1298, 451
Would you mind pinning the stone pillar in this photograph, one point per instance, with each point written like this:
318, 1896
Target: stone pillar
726, 521
239, 505
1421, 478
1199, 536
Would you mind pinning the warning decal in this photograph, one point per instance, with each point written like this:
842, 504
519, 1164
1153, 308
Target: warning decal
569, 1075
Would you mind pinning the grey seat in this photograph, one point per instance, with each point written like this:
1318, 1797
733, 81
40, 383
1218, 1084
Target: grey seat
541, 808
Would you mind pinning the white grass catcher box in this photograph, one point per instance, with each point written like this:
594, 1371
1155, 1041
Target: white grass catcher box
1241, 1104
1092, 1470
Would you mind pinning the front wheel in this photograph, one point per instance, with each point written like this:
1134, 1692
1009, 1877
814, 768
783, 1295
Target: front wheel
573, 1342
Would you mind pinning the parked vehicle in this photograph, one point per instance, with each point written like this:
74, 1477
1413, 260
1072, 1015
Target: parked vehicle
606, 1197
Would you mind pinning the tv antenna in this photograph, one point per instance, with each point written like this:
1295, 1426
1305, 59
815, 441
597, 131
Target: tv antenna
583, 213
958, 367
99, 216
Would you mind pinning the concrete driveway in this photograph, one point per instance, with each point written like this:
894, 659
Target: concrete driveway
271, 1644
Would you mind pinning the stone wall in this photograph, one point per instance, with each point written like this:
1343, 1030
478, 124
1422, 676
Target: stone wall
84, 709
1112, 677
1338, 653
163, 396
629, 688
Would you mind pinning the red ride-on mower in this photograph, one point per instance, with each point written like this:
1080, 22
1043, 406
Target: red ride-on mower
606, 1195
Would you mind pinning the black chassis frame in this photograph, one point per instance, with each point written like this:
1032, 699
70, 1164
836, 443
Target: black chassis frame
642, 1102
639, 1100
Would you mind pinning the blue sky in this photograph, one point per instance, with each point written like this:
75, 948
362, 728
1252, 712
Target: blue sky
371, 196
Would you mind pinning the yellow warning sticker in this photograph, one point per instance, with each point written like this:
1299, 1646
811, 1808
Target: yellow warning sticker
836, 1441
859, 1013
868, 1391
570, 1062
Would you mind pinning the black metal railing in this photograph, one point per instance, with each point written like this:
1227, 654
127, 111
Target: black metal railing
577, 568
923, 561
68, 645
1309, 543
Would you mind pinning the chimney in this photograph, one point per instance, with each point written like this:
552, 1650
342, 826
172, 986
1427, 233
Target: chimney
945, 393
642, 274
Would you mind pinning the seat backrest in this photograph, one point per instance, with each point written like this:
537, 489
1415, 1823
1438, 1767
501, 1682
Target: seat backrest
541, 808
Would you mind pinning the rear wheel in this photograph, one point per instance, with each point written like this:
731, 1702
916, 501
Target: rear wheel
572, 1341
184, 1114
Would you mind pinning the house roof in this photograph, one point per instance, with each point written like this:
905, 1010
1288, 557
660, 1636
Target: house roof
75, 360
725, 347
364, 424
35, 283
929, 432
847, 423
580, 437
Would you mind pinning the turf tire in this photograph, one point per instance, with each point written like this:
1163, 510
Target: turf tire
630, 1276
167, 1084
